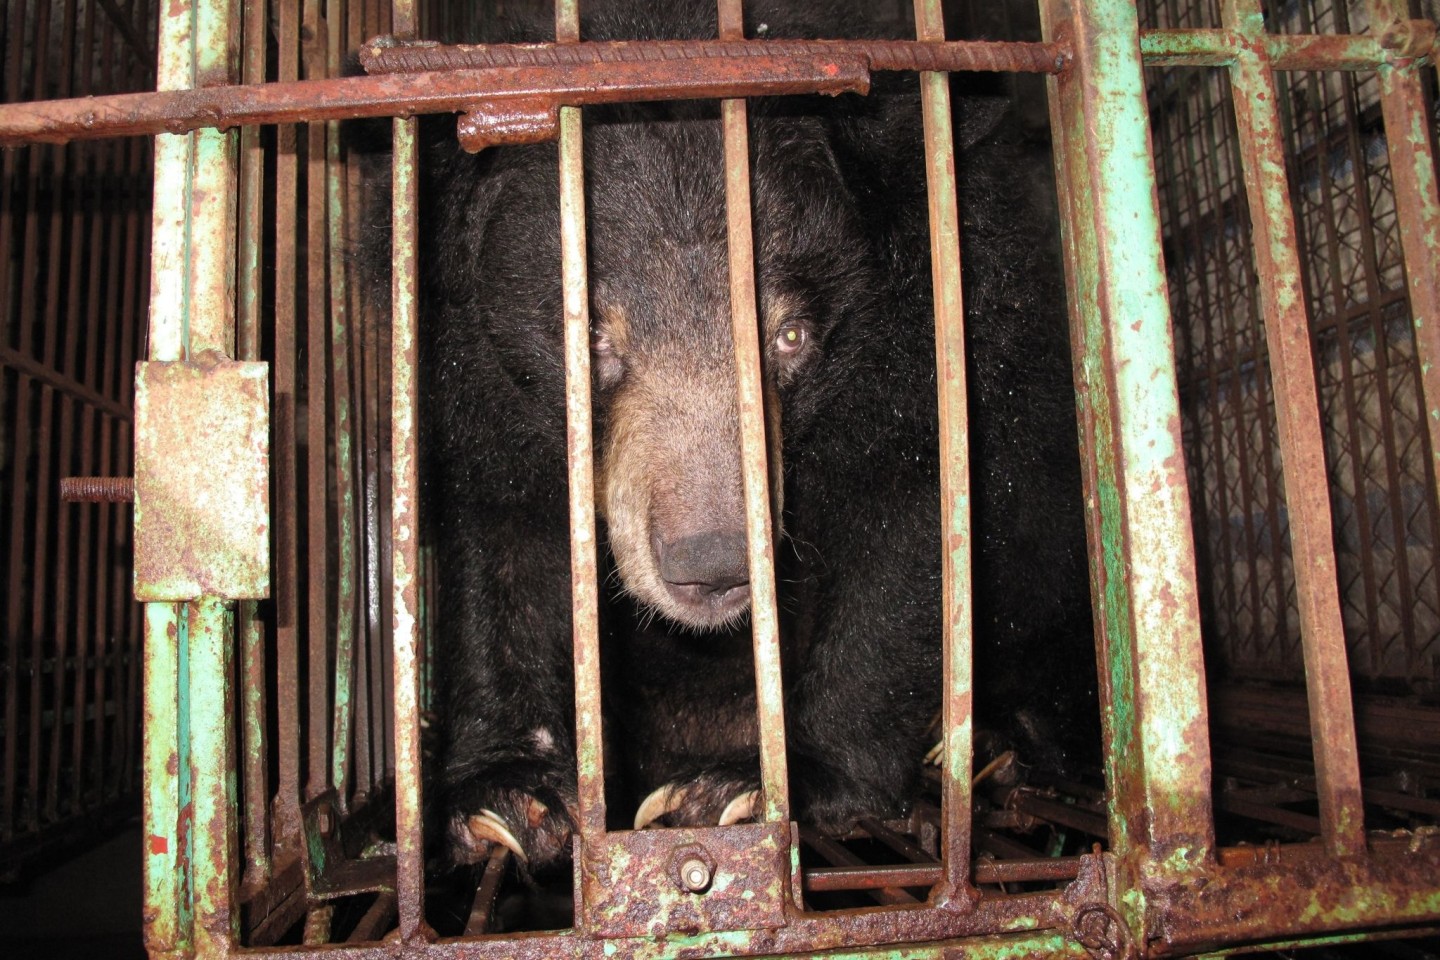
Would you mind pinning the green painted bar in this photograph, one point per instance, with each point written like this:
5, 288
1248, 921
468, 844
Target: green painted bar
957, 589
1143, 561
164, 756
212, 837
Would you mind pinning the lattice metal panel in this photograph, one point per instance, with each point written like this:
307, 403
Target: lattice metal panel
74, 254
1382, 485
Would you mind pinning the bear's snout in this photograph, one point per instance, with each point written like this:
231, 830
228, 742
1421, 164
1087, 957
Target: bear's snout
708, 569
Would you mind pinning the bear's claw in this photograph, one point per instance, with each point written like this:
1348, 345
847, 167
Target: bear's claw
488, 827
741, 808
663, 800
671, 797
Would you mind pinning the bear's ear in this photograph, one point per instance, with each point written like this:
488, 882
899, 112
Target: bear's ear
976, 117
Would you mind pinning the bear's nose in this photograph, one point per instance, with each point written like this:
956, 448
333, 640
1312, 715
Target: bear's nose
707, 567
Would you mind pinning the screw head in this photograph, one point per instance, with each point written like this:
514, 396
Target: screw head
694, 874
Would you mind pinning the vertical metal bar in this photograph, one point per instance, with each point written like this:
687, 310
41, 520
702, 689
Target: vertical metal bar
317, 534
133, 299
167, 762
9, 162
67, 452
212, 758
38, 517
1157, 743
1408, 139
759, 528
404, 520
286, 825
166, 742
253, 682
954, 463
19, 590
1292, 373
584, 598
344, 430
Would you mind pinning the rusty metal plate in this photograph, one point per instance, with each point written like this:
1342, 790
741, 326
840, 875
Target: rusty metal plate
635, 883
202, 499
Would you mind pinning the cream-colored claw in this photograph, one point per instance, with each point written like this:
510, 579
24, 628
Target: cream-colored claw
487, 826
936, 755
741, 808
661, 801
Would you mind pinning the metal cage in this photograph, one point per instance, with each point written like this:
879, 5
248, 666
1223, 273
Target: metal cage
1250, 223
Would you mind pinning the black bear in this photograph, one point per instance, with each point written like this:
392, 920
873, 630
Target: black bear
843, 276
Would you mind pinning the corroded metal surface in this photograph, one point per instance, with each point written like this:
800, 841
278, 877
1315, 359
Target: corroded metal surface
387, 55
1218, 48
405, 538
97, 489
755, 452
1297, 416
580, 460
957, 619
347, 98
1142, 567
632, 884
202, 524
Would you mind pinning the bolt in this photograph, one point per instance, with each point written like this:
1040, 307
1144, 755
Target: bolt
694, 875
97, 489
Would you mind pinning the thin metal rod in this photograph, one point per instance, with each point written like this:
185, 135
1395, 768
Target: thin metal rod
251, 186
957, 621
1292, 374
285, 826
343, 427
405, 535
589, 746
759, 525
348, 98
385, 55
317, 512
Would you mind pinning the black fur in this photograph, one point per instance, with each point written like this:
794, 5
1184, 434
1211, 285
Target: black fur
841, 230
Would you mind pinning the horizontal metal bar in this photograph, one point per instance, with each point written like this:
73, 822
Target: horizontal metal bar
1407, 40
826, 879
388, 55
36, 370
408, 94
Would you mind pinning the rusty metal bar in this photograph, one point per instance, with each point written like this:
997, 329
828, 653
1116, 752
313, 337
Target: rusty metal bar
343, 427
21, 452
1293, 51
285, 826
1301, 440
387, 55
404, 519
835, 853
1409, 140
958, 615
584, 610
317, 513
755, 470
1138, 513
499, 91
828, 879
255, 745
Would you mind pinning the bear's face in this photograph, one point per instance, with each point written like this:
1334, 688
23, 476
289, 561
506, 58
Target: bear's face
668, 440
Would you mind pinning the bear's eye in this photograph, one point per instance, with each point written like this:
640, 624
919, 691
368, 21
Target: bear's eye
790, 340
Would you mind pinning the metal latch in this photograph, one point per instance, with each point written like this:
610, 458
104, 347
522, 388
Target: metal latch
202, 487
